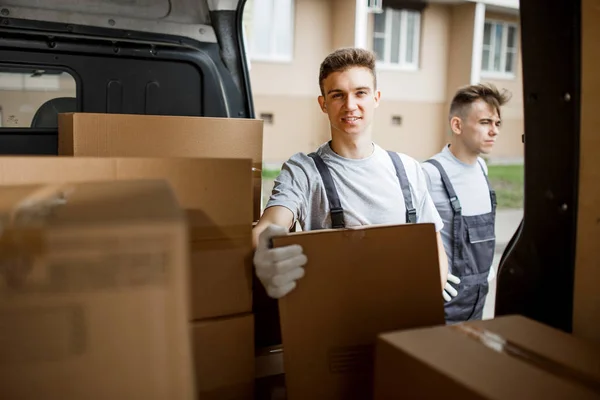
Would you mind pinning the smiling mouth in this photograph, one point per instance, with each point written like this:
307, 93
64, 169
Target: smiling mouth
351, 119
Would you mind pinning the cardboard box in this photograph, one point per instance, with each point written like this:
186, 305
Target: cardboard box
224, 358
93, 281
358, 283
505, 358
122, 135
216, 194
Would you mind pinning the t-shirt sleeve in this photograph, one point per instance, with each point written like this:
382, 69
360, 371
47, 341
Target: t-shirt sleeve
291, 188
426, 211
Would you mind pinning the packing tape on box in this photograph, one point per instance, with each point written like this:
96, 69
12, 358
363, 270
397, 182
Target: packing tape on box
502, 345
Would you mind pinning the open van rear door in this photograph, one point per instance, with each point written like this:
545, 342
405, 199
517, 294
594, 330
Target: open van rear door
162, 57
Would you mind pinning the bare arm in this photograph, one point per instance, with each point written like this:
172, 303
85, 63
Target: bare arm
276, 215
443, 259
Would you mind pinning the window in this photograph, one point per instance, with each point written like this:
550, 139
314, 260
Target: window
396, 36
30, 98
269, 27
499, 48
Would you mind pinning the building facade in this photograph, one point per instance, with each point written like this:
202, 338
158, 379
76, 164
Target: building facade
425, 50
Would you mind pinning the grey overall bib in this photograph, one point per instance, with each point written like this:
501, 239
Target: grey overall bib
473, 246
337, 213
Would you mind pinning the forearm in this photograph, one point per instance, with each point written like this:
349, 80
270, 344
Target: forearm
276, 215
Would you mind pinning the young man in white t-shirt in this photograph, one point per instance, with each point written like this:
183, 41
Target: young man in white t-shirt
348, 181
458, 183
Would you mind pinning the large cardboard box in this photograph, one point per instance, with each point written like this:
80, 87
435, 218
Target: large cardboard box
123, 135
508, 358
216, 193
224, 358
358, 283
93, 287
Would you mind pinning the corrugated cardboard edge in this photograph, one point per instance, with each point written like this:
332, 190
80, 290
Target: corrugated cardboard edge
66, 141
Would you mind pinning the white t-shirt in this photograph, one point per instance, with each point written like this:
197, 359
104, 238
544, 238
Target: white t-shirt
368, 188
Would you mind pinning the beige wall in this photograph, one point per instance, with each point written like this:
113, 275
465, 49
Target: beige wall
461, 47
298, 126
428, 83
419, 135
343, 17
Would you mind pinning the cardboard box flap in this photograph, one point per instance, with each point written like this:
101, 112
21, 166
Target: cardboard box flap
358, 283
488, 357
88, 203
125, 135
134, 135
194, 181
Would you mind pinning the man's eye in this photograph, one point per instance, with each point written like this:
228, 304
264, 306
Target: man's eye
337, 96
362, 93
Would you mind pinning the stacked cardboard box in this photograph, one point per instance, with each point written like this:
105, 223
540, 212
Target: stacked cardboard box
93, 281
508, 358
217, 195
222, 198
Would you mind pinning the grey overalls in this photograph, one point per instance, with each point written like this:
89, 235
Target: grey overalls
473, 246
337, 213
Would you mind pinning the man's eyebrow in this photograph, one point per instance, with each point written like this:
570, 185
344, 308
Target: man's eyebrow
341, 91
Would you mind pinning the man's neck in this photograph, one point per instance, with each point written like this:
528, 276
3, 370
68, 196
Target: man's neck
462, 153
356, 148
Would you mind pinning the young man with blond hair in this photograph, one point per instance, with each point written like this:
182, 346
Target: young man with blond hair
348, 181
458, 184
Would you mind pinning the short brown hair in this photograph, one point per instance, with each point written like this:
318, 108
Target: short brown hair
467, 95
345, 58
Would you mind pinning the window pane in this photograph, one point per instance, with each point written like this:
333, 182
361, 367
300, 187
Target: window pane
512, 33
27, 92
380, 22
485, 60
261, 28
282, 20
379, 48
411, 26
396, 29
510, 57
487, 33
497, 47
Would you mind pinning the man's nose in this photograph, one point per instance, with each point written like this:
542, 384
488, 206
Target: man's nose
495, 130
350, 103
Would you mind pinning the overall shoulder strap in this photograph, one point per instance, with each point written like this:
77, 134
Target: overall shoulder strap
492, 192
337, 213
454, 202
411, 212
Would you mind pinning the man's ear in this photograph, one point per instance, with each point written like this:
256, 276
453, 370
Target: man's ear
322, 104
377, 98
456, 125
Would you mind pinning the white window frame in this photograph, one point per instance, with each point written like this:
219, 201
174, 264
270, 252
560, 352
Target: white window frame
272, 57
502, 74
403, 65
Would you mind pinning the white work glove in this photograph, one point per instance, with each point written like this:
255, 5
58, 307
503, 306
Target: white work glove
449, 291
278, 269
